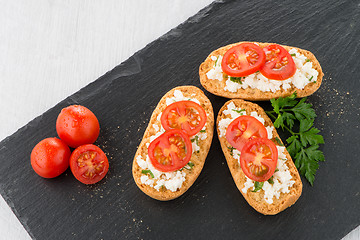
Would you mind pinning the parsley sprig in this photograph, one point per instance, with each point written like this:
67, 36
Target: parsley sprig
303, 145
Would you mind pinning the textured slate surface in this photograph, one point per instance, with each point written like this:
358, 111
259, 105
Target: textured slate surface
124, 98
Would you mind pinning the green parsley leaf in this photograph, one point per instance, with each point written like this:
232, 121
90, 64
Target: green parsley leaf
303, 110
190, 164
196, 139
148, 172
239, 111
311, 78
202, 131
279, 141
258, 186
236, 79
231, 150
307, 60
306, 160
271, 180
293, 54
216, 61
294, 145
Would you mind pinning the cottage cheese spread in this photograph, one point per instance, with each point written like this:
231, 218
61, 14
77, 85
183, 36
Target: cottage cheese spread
170, 180
305, 74
282, 178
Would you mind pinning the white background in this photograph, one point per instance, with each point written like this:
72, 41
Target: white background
51, 49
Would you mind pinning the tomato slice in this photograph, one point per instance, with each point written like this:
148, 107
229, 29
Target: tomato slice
243, 60
258, 159
89, 164
170, 151
279, 64
185, 115
243, 129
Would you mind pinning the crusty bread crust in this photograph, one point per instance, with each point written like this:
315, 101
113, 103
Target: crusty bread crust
256, 199
197, 158
217, 87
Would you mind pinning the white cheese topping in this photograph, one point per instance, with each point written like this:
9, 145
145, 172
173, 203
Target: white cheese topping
170, 180
282, 177
305, 74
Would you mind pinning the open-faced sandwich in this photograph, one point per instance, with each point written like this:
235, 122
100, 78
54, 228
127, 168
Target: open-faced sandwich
260, 71
175, 144
258, 161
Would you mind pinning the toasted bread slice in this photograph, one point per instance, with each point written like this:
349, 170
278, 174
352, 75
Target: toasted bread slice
198, 156
257, 199
218, 87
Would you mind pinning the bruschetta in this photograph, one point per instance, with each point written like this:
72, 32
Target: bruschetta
175, 144
260, 165
260, 71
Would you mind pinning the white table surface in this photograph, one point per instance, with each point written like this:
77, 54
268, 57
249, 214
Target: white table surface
50, 49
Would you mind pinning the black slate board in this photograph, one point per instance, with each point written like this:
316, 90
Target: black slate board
213, 208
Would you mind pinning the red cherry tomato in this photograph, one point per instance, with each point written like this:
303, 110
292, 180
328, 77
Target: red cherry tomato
185, 115
243, 129
76, 125
50, 157
279, 64
170, 151
89, 164
243, 60
258, 159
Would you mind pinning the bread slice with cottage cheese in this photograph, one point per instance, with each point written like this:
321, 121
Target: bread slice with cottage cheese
256, 87
286, 187
167, 186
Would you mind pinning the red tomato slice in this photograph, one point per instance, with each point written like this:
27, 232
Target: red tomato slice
258, 159
243, 129
243, 60
89, 164
279, 64
170, 151
50, 157
185, 115
76, 125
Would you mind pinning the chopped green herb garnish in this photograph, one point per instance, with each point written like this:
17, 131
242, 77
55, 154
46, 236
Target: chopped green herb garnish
311, 78
239, 111
202, 131
236, 79
303, 145
276, 170
216, 60
258, 186
148, 172
271, 180
231, 150
307, 60
196, 140
278, 141
190, 164
293, 55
